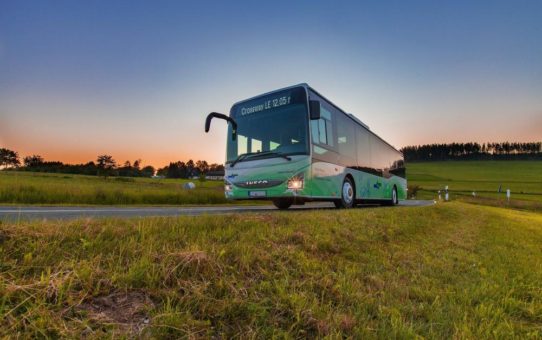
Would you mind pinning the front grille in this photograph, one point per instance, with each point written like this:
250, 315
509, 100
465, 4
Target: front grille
257, 184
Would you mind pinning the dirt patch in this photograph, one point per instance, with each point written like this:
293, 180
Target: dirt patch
3, 235
126, 310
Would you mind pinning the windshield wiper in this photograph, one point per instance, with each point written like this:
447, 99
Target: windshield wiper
279, 154
241, 157
245, 155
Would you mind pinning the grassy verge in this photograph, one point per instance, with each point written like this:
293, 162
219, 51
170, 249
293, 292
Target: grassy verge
488, 200
52, 189
451, 270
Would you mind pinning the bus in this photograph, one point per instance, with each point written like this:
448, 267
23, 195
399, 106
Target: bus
293, 146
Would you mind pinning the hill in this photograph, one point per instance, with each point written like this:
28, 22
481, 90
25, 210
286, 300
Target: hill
523, 178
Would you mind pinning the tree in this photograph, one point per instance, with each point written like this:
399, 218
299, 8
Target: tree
106, 165
216, 167
190, 169
202, 167
9, 158
148, 171
175, 170
126, 169
33, 161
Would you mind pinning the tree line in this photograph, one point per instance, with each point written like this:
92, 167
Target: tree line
473, 151
105, 165
189, 169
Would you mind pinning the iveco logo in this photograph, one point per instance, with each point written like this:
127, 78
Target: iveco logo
258, 182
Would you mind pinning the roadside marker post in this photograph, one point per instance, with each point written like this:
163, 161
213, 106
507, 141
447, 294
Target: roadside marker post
446, 196
508, 195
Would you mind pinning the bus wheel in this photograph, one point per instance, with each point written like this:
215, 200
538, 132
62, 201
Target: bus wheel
347, 195
282, 203
394, 199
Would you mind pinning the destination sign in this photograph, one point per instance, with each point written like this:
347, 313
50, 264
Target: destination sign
273, 101
268, 104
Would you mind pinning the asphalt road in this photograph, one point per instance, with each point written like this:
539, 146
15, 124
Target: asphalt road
33, 212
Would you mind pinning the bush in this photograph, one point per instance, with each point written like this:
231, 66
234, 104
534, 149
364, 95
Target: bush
413, 190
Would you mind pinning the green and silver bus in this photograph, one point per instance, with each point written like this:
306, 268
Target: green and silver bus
293, 146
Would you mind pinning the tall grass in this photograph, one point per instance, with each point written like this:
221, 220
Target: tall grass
448, 271
36, 188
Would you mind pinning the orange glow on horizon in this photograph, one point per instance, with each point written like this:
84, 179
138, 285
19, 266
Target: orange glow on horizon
82, 157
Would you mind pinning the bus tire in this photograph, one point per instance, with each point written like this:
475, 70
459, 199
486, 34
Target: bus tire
282, 203
394, 200
348, 195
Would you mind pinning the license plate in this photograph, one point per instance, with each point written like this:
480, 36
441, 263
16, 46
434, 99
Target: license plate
261, 193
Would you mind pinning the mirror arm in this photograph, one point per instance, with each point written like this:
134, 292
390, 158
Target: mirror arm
232, 121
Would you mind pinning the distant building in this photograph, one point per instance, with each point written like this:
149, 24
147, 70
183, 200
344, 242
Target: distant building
215, 175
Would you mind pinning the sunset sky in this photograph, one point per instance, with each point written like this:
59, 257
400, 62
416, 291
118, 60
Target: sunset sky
135, 79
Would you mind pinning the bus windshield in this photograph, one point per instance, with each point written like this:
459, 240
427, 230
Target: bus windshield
277, 122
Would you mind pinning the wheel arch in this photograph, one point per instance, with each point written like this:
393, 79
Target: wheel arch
394, 187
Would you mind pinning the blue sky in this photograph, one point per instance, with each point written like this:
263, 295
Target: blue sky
136, 78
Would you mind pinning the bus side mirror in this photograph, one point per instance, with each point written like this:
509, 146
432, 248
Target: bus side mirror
232, 121
314, 106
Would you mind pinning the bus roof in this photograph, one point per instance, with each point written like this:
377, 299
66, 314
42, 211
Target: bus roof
271, 92
306, 86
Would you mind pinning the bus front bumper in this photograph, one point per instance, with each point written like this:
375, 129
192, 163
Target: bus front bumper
284, 190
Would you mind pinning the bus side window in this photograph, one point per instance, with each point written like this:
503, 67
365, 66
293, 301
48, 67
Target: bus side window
315, 131
346, 139
322, 129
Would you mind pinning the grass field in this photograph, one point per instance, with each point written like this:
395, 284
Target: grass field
523, 178
453, 270
42, 188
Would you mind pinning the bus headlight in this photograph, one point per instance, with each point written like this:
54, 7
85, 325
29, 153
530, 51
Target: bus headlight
296, 182
228, 186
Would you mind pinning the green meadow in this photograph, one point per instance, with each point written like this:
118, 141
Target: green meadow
453, 270
523, 178
65, 189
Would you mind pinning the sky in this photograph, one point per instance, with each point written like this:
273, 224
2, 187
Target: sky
136, 79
